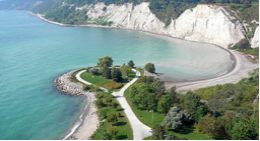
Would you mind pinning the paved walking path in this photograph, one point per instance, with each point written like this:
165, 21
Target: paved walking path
140, 131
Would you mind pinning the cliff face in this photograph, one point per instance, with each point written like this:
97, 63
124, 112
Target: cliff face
204, 23
255, 40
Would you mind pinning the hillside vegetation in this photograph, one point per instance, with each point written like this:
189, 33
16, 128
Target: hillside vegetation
65, 11
219, 112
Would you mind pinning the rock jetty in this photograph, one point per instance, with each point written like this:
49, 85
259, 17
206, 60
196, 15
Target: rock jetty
64, 84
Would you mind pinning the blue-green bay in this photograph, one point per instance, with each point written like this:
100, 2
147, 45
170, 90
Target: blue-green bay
33, 53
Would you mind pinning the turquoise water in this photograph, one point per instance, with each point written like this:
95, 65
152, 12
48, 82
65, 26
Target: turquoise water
33, 53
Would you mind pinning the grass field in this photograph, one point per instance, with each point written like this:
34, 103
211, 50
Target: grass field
95, 79
123, 125
144, 115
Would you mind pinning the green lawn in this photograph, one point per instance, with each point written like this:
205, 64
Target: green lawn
124, 129
144, 115
95, 79
185, 132
101, 81
189, 133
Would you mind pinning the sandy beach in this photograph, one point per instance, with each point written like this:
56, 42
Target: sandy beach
88, 121
241, 69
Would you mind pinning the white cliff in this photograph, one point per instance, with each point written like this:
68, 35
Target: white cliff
255, 39
204, 23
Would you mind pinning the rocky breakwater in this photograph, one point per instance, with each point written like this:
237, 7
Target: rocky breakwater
64, 84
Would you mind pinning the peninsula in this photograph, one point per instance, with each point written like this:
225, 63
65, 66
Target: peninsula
125, 102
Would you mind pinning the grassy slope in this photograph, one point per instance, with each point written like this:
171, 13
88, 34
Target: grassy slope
123, 125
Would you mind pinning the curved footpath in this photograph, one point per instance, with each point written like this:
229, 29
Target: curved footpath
140, 131
242, 67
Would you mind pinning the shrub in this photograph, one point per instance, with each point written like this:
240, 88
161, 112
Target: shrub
93, 71
243, 44
99, 103
114, 105
100, 95
86, 87
112, 118
88, 69
113, 85
102, 113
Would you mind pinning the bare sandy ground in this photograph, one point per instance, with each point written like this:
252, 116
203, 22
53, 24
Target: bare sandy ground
241, 69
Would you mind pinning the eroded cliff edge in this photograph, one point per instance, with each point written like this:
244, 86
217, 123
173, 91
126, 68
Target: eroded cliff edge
204, 23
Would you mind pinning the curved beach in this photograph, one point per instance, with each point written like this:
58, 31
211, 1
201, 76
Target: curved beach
241, 69
88, 121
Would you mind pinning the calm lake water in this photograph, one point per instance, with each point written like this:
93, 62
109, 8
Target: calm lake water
33, 53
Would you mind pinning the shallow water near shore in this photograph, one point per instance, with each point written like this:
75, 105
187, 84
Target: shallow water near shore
33, 53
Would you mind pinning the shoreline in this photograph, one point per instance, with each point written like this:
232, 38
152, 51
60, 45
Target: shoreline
236, 72
88, 121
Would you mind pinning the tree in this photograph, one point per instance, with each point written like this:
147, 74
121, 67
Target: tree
104, 63
159, 86
158, 132
191, 102
106, 136
175, 118
200, 112
116, 75
150, 67
107, 73
126, 69
247, 4
245, 129
93, 71
131, 63
143, 96
172, 92
209, 125
112, 118
112, 131
164, 104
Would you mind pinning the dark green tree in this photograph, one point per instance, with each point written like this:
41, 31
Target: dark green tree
116, 75
107, 73
131, 63
191, 102
112, 131
158, 132
104, 63
201, 111
159, 86
150, 67
106, 136
112, 118
245, 129
164, 104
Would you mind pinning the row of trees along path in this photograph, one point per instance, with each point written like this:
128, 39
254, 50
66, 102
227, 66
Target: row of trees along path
140, 131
